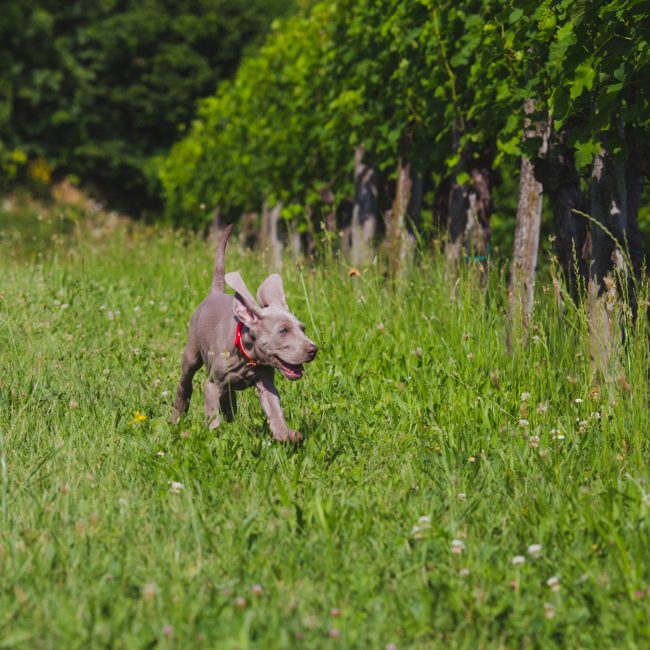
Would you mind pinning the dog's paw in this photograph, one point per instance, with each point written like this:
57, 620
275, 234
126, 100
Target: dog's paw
288, 437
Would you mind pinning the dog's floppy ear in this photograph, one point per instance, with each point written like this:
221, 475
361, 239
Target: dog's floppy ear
245, 307
271, 292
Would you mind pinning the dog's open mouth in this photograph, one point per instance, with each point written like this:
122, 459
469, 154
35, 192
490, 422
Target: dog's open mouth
289, 370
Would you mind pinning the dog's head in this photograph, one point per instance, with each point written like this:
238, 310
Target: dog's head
278, 336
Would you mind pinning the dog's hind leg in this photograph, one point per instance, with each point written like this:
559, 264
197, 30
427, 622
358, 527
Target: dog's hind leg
190, 363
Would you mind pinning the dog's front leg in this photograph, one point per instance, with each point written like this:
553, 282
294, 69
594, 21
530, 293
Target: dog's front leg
270, 401
213, 394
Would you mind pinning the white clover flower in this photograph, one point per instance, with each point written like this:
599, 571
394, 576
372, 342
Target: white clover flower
533, 441
523, 423
417, 532
176, 487
525, 397
518, 560
464, 572
535, 550
457, 546
554, 583
578, 400
424, 523
462, 496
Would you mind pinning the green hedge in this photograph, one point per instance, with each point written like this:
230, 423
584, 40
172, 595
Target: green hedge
445, 80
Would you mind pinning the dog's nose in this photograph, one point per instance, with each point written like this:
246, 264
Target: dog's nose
311, 351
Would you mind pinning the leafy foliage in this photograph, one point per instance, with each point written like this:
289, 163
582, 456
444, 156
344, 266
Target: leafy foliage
446, 79
100, 88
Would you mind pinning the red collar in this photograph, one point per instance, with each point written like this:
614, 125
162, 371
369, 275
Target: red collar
240, 346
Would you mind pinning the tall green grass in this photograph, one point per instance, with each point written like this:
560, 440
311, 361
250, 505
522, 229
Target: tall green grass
432, 459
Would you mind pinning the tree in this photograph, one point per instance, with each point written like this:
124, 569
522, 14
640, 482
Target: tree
424, 94
99, 89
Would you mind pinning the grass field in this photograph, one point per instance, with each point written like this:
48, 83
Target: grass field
434, 463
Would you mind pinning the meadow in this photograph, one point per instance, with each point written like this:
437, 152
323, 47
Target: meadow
448, 493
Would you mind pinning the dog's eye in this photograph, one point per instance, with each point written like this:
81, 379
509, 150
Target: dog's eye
283, 331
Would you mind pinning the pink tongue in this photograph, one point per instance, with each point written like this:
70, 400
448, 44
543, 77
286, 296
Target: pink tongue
294, 371
291, 370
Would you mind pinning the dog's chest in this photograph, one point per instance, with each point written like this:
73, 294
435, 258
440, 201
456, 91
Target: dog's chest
238, 377
241, 383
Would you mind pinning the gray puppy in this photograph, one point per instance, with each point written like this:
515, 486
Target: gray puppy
242, 342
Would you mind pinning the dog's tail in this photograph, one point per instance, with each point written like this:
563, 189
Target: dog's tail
218, 285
